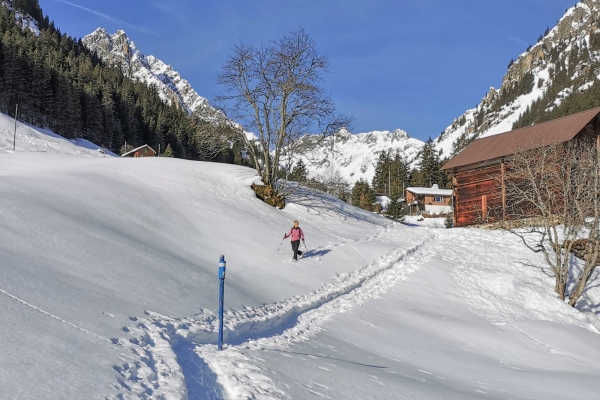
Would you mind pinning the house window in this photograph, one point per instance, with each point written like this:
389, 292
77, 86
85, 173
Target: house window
438, 199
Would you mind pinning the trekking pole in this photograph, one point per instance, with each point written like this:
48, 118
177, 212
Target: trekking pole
305, 248
280, 245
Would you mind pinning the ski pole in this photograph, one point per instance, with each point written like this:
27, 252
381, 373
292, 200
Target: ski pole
305, 248
280, 245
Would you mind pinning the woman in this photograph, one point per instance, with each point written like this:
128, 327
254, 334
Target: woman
296, 234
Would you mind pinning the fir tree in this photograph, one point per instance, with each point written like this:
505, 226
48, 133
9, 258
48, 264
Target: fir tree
428, 172
299, 173
396, 209
363, 196
169, 151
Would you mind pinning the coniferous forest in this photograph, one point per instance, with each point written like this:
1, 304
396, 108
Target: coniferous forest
59, 84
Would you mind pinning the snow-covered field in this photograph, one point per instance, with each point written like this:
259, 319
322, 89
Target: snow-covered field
109, 290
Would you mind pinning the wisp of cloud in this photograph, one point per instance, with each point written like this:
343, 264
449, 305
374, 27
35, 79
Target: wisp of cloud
109, 18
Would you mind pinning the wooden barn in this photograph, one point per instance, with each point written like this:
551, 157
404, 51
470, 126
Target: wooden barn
480, 168
142, 151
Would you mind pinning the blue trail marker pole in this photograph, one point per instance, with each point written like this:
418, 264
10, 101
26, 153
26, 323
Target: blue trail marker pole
221, 300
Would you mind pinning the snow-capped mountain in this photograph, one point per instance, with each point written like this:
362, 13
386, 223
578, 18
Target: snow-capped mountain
355, 156
117, 49
563, 64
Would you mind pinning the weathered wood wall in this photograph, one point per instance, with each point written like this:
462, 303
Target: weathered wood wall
478, 195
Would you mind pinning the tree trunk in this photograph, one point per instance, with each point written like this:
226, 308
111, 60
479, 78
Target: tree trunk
581, 284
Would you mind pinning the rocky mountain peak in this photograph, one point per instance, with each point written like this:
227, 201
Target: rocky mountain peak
117, 49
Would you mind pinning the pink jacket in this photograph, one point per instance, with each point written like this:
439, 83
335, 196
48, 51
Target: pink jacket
296, 234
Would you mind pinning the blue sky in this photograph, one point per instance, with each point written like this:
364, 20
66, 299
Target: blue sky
409, 64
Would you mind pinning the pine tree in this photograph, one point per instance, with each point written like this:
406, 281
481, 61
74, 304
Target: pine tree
169, 151
396, 209
428, 172
382, 171
363, 196
299, 173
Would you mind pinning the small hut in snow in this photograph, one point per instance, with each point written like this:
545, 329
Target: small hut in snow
431, 200
142, 151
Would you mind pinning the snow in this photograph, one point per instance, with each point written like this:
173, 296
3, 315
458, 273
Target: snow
33, 139
417, 220
355, 155
432, 191
27, 21
109, 290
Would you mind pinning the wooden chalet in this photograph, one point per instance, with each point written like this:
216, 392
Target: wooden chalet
142, 151
431, 200
480, 168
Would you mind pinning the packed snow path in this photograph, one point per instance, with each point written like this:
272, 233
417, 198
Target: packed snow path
161, 340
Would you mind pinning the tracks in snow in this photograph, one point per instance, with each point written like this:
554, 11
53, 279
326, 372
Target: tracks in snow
54, 316
178, 359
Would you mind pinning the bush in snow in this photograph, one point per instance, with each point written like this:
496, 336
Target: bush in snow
555, 190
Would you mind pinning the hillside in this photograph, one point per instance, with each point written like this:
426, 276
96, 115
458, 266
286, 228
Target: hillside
93, 242
557, 76
109, 290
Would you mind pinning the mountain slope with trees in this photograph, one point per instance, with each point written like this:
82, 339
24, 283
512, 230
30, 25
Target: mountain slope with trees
120, 51
59, 84
557, 76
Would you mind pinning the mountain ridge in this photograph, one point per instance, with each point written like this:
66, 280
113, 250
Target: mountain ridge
545, 82
117, 49
355, 155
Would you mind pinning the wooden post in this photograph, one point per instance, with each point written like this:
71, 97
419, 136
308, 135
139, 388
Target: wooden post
484, 206
455, 198
503, 170
15, 134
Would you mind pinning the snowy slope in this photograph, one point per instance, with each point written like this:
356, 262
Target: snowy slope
119, 50
373, 310
93, 242
496, 114
355, 156
33, 139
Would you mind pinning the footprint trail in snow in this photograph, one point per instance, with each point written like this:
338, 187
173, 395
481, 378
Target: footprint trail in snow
178, 358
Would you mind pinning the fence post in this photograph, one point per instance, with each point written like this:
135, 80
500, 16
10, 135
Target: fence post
221, 300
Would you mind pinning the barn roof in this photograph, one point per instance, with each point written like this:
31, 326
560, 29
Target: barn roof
136, 149
538, 135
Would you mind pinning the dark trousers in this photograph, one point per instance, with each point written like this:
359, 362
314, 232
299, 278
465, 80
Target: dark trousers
295, 245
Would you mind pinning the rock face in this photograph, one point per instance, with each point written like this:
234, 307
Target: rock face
118, 50
355, 156
560, 64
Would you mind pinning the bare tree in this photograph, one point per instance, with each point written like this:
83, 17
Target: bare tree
275, 91
211, 138
334, 183
554, 192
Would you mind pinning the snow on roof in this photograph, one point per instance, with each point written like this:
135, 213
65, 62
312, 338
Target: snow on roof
136, 149
435, 190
